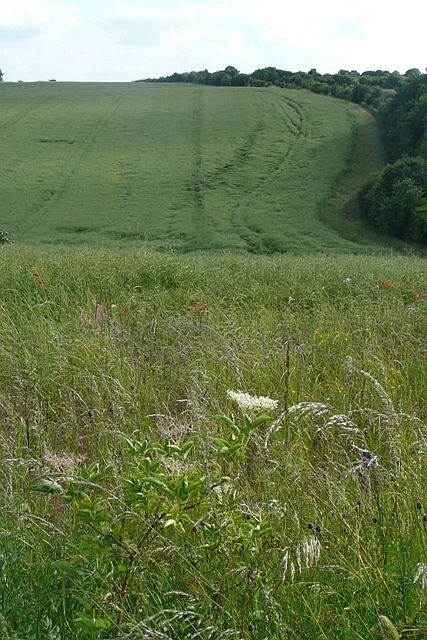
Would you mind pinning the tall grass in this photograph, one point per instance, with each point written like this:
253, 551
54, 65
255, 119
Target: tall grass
300, 534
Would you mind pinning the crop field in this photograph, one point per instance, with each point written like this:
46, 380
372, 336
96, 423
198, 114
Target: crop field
199, 444
181, 167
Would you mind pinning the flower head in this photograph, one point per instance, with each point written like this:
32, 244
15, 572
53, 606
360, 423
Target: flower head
368, 460
198, 307
247, 402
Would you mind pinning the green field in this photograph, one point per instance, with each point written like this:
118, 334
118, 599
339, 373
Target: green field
138, 501
181, 167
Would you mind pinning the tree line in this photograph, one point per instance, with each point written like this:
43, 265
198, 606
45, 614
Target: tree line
395, 201
369, 88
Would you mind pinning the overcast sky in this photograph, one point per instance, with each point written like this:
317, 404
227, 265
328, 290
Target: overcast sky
109, 40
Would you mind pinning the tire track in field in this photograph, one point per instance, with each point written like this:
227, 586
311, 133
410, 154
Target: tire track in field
202, 233
239, 216
7, 124
8, 169
39, 208
239, 158
223, 176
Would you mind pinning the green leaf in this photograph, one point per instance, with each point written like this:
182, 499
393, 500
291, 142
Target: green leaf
64, 567
92, 624
161, 486
388, 629
225, 420
183, 489
46, 485
259, 422
187, 445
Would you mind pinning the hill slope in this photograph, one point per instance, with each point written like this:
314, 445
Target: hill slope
186, 167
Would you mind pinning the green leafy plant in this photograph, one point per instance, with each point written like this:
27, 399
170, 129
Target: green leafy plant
162, 505
4, 237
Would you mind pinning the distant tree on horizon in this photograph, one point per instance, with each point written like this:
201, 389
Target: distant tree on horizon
1, 75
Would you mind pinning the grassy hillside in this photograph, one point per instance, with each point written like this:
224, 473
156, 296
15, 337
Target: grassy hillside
184, 167
287, 530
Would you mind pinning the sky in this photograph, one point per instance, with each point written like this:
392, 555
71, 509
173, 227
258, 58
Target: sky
108, 40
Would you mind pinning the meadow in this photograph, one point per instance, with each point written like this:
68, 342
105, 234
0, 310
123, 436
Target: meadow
139, 500
184, 167
143, 493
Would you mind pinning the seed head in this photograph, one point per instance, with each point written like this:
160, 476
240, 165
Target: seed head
421, 575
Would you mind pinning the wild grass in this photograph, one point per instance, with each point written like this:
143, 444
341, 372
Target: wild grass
182, 167
312, 524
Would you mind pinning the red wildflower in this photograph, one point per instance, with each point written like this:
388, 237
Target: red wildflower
37, 274
387, 284
200, 308
125, 310
40, 282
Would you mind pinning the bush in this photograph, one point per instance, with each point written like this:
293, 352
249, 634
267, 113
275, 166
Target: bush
394, 202
4, 237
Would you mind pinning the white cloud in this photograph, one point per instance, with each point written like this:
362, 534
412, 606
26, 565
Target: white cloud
39, 16
124, 40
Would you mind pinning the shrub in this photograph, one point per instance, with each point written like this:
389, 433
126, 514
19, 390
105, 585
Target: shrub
394, 201
4, 237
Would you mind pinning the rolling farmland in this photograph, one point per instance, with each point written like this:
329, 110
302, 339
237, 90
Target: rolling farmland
216, 445
180, 167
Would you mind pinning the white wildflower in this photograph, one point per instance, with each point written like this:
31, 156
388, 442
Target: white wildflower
347, 280
421, 575
247, 402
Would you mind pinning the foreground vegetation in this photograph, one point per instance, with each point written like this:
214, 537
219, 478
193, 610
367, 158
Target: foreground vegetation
129, 511
184, 167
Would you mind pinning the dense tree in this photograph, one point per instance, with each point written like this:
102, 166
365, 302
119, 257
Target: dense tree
394, 201
231, 71
366, 88
1, 75
404, 118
